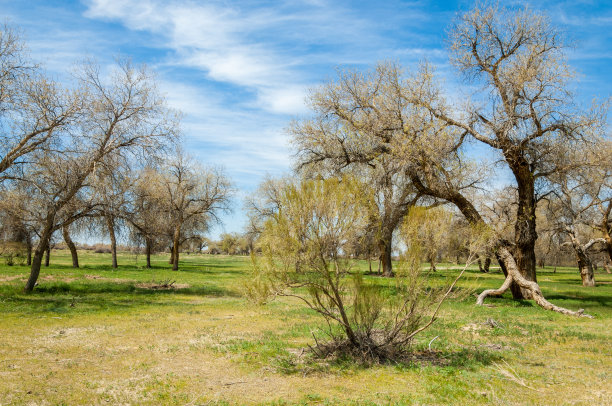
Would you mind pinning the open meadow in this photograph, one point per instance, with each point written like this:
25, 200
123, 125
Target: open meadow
100, 336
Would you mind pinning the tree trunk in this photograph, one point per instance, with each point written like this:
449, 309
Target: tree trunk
175, 248
584, 262
171, 260
525, 228
514, 276
41, 247
48, 255
71, 246
110, 224
148, 249
607, 267
487, 264
605, 229
385, 248
29, 249
480, 265
432, 263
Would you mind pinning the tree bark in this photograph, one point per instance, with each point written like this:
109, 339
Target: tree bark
605, 229
148, 249
514, 276
385, 249
48, 255
41, 247
175, 248
110, 224
71, 246
525, 234
29, 249
487, 264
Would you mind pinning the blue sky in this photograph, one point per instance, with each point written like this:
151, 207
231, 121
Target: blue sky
239, 70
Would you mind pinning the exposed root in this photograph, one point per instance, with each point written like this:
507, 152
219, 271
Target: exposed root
532, 287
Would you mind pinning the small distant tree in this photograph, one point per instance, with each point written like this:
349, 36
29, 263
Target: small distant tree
429, 228
193, 196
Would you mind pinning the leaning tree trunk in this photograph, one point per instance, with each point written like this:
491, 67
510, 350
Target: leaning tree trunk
514, 276
41, 247
71, 246
110, 224
48, 255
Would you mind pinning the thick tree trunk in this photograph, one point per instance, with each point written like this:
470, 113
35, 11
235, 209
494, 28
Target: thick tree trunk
487, 264
585, 265
175, 248
41, 247
385, 249
514, 276
110, 224
71, 246
148, 249
48, 255
525, 234
586, 270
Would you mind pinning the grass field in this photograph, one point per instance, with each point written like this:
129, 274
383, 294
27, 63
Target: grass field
98, 336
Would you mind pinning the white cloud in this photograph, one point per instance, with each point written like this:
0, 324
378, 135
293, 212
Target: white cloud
217, 40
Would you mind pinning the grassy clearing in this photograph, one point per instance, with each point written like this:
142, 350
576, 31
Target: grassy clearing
97, 336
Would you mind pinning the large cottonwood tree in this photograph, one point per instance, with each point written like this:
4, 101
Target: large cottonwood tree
523, 109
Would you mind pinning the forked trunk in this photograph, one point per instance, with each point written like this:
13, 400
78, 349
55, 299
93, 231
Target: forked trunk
585, 265
41, 247
110, 224
71, 246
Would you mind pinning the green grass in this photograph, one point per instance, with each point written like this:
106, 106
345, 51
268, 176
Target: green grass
95, 335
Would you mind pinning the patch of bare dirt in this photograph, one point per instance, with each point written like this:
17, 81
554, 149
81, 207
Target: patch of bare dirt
11, 278
165, 285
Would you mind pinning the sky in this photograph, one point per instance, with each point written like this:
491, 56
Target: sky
240, 70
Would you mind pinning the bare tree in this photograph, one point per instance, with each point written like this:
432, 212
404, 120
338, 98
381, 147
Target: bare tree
355, 118
193, 196
524, 110
33, 109
122, 115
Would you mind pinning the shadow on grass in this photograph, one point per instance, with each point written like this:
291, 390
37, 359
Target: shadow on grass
63, 296
463, 359
601, 300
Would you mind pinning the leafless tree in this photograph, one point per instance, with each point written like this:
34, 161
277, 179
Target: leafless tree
524, 110
194, 196
356, 117
33, 109
123, 115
